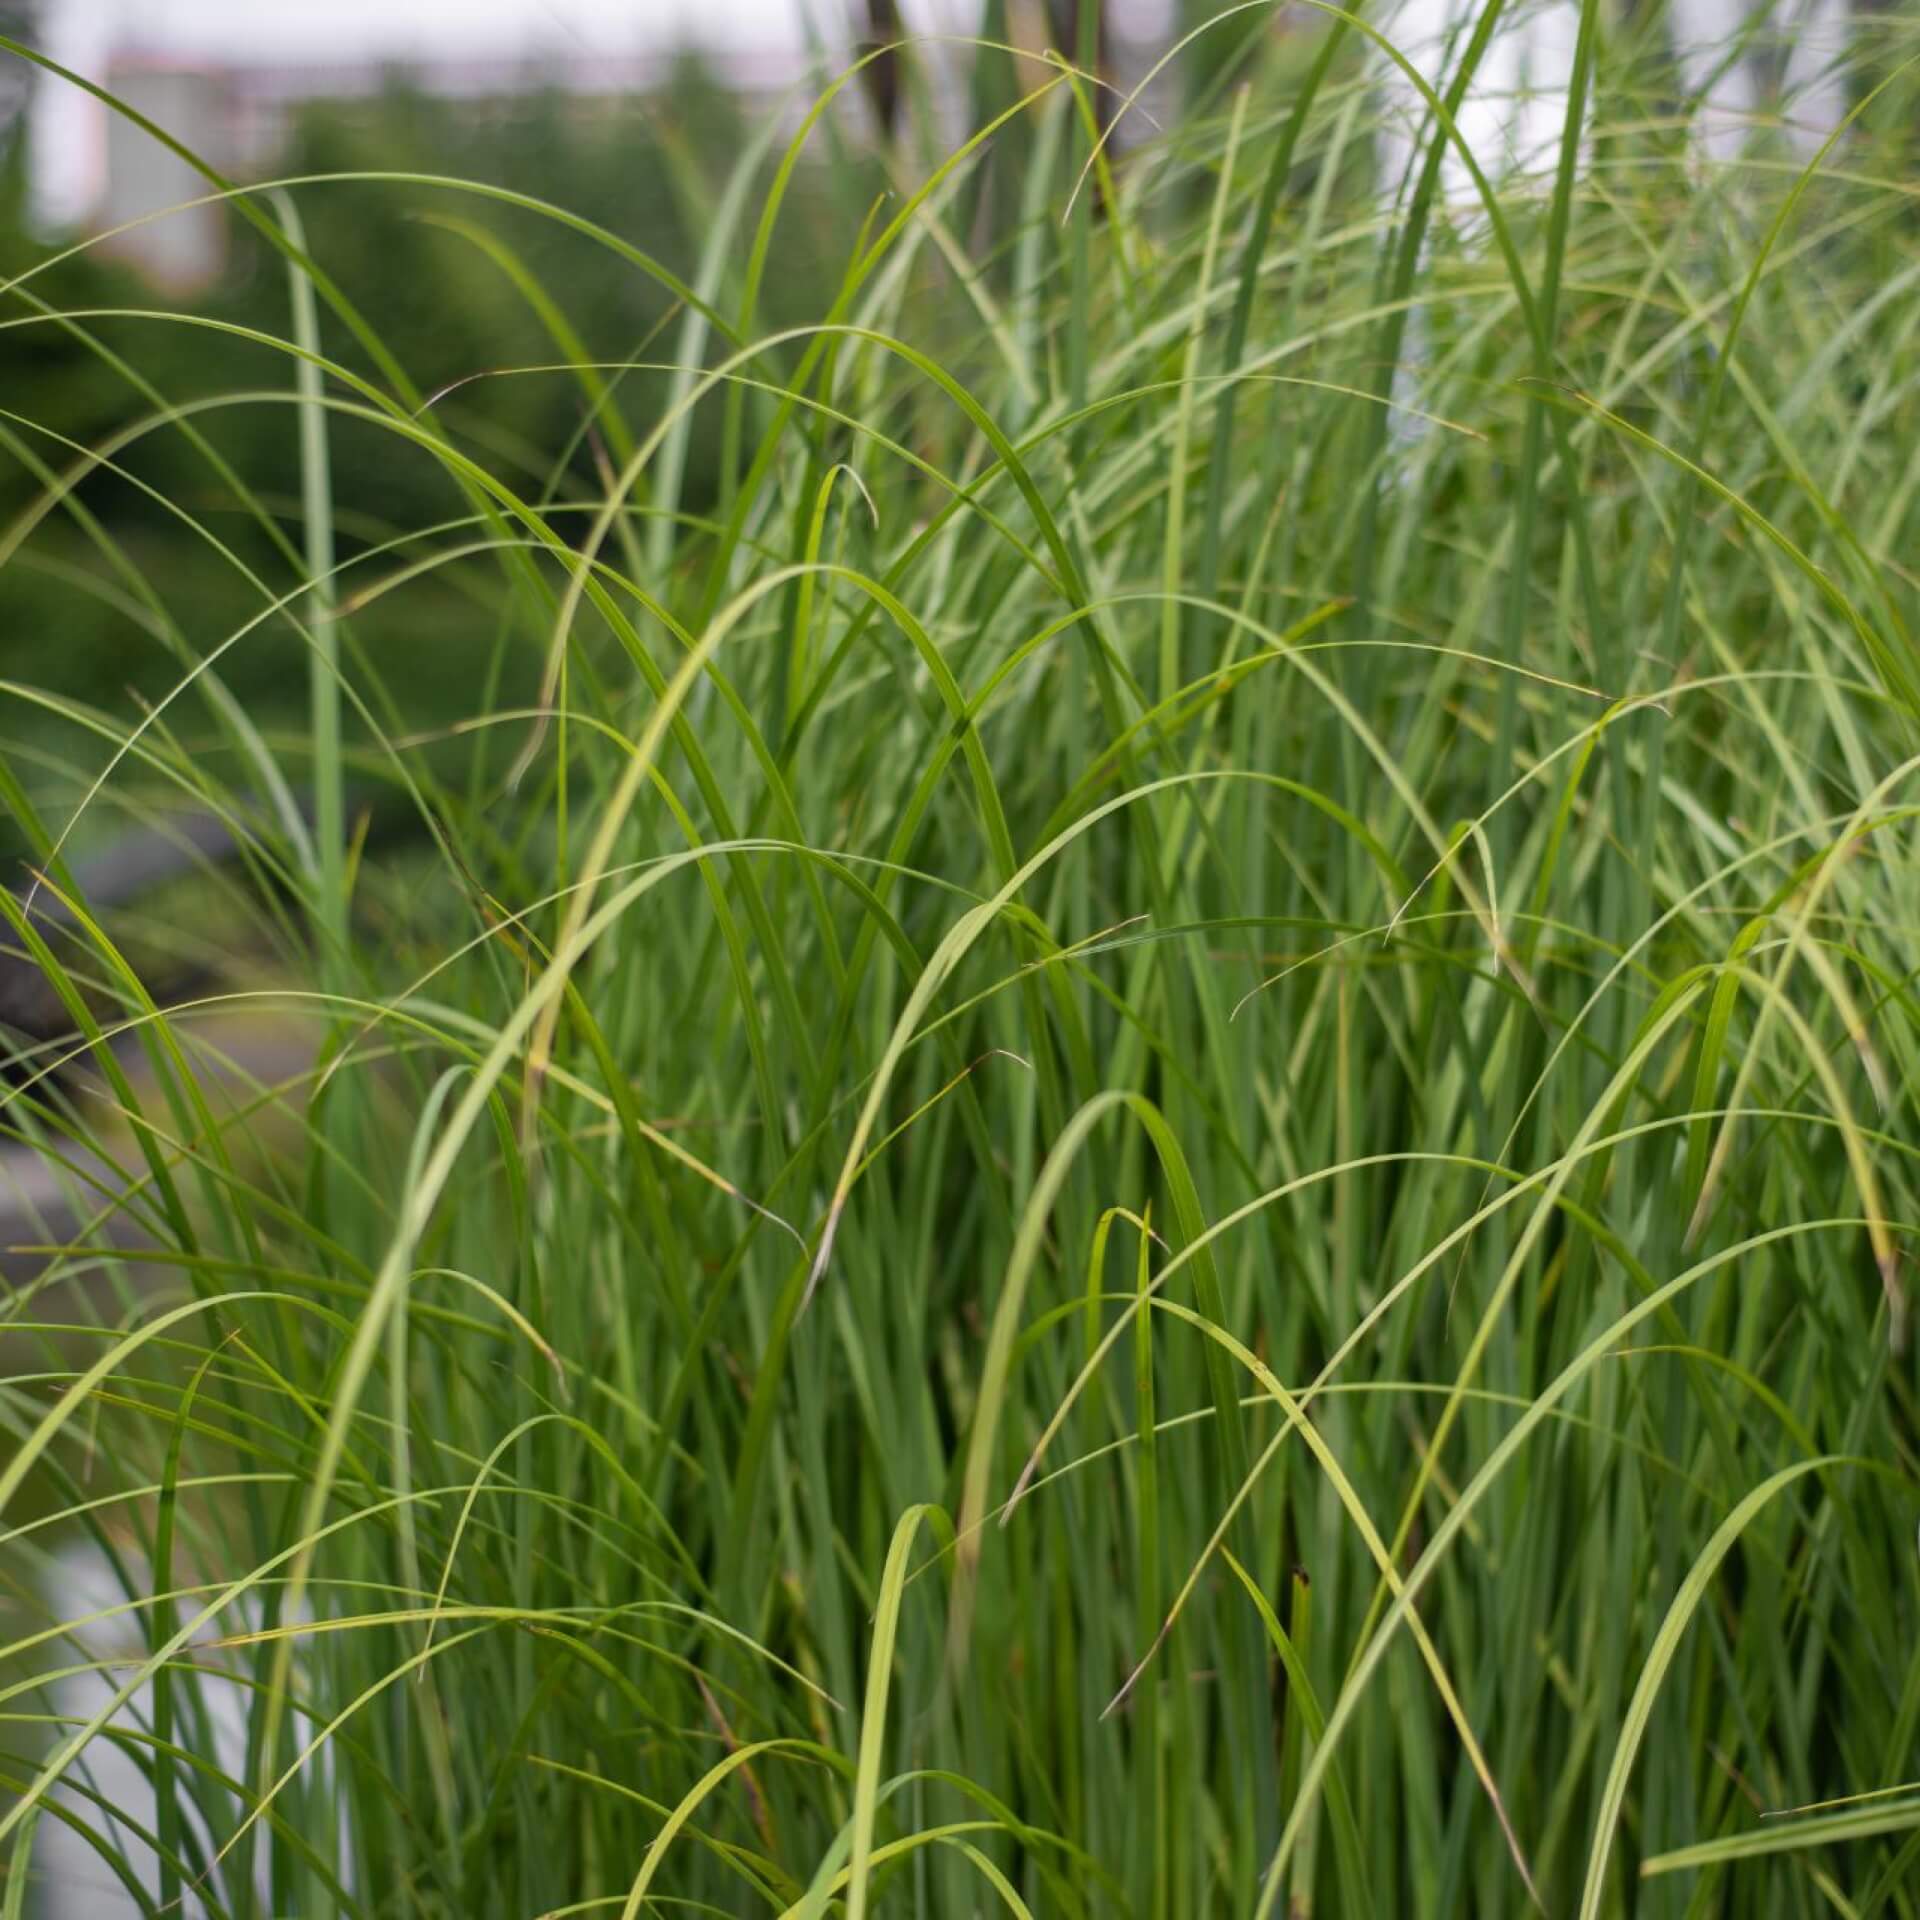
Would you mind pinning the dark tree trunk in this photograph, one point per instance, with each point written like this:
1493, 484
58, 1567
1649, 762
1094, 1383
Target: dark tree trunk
883, 75
1081, 32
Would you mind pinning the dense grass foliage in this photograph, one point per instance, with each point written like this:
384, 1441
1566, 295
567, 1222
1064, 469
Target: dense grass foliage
1143, 1152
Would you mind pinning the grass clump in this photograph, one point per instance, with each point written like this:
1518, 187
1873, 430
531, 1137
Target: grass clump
1133, 1150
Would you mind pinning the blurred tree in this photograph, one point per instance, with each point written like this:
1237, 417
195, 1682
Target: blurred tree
432, 271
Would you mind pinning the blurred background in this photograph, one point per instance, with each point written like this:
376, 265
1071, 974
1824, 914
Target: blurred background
631, 113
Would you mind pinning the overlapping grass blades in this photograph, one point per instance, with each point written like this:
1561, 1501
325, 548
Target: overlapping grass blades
1310, 1032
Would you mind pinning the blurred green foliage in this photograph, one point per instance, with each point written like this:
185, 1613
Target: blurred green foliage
438, 276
